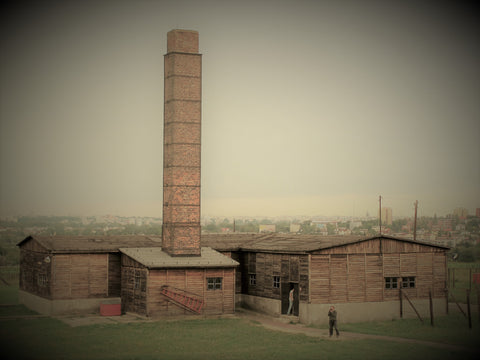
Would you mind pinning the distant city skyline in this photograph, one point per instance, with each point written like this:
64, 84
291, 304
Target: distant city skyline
309, 108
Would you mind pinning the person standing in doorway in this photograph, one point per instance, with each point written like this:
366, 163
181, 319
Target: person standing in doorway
290, 301
332, 320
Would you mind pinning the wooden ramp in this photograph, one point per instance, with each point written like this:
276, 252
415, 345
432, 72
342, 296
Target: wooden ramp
180, 298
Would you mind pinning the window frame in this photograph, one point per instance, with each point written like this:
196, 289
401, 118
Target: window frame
137, 281
214, 283
276, 282
391, 282
408, 282
252, 279
42, 280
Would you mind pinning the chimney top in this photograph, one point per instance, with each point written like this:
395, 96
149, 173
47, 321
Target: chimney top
185, 41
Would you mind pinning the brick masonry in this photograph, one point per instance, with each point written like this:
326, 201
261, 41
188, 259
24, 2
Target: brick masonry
182, 144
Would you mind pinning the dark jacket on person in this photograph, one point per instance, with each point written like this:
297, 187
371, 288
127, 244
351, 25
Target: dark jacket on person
332, 315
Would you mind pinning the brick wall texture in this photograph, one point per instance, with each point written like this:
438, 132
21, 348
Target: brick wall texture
182, 144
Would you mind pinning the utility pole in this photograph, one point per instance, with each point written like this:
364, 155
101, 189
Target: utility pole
380, 214
415, 223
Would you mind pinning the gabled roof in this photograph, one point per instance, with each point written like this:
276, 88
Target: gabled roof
154, 258
90, 244
272, 242
288, 243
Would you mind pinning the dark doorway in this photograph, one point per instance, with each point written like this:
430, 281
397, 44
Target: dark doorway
285, 292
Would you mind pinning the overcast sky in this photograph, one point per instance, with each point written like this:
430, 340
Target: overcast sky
309, 107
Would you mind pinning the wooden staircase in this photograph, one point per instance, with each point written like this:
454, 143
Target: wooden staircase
178, 297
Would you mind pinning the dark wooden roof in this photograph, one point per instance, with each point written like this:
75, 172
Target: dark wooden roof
272, 242
90, 244
287, 243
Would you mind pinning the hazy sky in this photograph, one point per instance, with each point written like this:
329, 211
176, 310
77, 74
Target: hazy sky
309, 107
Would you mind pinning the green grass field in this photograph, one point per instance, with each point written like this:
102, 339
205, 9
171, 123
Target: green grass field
49, 338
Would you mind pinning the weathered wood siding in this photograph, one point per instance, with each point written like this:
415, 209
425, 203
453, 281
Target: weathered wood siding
134, 298
289, 267
147, 297
79, 276
35, 270
114, 274
354, 273
192, 282
381, 246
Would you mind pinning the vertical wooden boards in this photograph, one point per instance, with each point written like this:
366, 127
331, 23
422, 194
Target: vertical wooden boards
80, 276
424, 281
338, 276
320, 279
356, 278
114, 275
374, 277
439, 275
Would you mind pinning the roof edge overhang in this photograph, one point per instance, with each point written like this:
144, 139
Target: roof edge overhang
28, 238
160, 267
360, 240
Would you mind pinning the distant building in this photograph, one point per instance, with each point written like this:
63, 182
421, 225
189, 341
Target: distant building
294, 228
445, 224
264, 228
387, 217
462, 213
355, 224
477, 212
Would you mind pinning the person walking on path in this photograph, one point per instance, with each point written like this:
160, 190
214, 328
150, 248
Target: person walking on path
332, 320
290, 301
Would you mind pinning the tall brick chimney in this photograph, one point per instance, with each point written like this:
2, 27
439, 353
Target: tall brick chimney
182, 144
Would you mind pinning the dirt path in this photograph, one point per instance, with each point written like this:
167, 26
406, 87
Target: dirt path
276, 324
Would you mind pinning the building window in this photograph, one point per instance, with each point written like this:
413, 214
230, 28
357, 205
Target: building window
391, 283
42, 280
276, 282
408, 282
253, 279
214, 283
137, 282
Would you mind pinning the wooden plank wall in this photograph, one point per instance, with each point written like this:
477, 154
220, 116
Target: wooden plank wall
33, 266
290, 267
356, 278
79, 276
133, 299
114, 274
192, 282
320, 279
388, 246
337, 278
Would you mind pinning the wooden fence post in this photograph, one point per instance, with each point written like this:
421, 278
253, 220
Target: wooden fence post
401, 304
470, 279
446, 298
468, 309
431, 306
453, 278
478, 302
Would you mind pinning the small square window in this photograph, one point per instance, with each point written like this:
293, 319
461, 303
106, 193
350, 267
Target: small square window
214, 283
408, 282
276, 282
253, 279
391, 283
